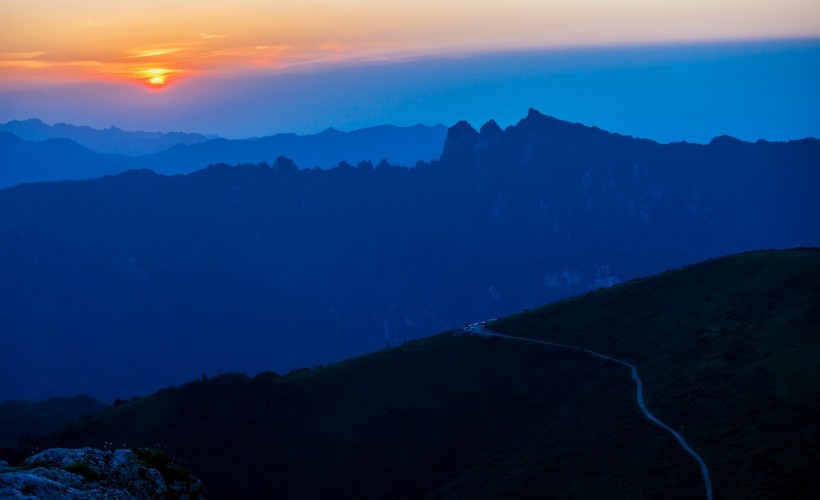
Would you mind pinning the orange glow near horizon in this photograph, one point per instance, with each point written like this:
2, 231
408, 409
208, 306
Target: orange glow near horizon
60, 41
155, 78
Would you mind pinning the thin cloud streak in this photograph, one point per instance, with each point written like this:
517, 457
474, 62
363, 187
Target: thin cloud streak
210, 55
222, 37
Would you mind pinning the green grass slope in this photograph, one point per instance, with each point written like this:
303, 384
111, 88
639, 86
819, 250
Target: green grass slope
25, 420
729, 351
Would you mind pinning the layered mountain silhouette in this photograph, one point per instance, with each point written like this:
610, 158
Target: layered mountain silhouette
108, 141
396, 145
53, 160
153, 280
66, 152
727, 350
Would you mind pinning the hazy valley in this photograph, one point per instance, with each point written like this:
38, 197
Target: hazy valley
221, 280
155, 280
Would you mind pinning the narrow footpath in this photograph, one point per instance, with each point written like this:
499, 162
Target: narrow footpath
482, 331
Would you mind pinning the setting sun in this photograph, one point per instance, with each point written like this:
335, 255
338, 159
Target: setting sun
155, 77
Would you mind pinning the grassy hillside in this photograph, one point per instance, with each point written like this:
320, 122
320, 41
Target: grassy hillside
24, 419
728, 350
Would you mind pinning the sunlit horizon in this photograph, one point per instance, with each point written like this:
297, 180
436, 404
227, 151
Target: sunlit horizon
668, 71
90, 40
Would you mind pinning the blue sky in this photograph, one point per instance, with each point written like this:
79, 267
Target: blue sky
666, 92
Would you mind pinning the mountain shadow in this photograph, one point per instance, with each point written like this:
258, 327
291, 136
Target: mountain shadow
727, 350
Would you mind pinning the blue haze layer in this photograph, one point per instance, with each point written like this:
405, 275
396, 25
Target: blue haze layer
694, 92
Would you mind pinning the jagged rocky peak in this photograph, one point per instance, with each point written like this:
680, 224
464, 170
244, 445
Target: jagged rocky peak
461, 143
283, 165
467, 147
533, 113
551, 133
490, 133
537, 120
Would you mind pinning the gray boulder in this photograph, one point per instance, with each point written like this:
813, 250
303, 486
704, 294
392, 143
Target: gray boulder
61, 473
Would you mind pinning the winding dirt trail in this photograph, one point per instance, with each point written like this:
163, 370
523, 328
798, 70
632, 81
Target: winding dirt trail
482, 331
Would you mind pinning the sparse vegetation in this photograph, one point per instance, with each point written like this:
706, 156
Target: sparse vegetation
154, 458
83, 469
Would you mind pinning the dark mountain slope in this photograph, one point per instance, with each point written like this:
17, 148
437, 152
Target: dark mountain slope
356, 258
89, 313
587, 185
735, 340
727, 350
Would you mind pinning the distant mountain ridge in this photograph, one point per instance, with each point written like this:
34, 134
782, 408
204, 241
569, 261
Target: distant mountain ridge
277, 268
40, 158
397, 145
108, 141
53, 160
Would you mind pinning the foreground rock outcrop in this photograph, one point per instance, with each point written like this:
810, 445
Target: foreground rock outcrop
62, 473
